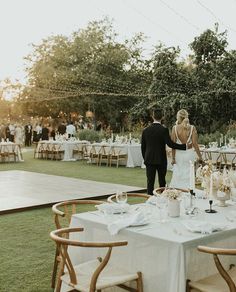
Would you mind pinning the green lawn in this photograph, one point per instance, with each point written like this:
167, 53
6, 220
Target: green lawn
27, 252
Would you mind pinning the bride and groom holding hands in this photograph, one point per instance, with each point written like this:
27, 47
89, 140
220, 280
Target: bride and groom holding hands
183, 142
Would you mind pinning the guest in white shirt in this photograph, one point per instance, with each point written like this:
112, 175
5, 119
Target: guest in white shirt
70, 130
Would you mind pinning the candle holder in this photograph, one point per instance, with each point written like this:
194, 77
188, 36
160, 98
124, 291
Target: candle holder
210, 210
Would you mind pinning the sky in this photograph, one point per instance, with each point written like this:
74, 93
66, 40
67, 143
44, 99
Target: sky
172, 22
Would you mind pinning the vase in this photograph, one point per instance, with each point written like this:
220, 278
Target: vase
174, 208
222, 197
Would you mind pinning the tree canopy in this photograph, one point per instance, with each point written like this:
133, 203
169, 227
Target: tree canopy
92, 70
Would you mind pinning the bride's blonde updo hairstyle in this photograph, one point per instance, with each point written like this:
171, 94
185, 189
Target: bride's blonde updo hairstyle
182, 118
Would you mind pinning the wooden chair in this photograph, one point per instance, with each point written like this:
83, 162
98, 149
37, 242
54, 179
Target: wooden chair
56, 152
104, 155
224, 281
12, 152
62, 216
228, 160
79, 150
94, 154
93, 275
215, 157
4, 153
131, 197
117, 155
41, 150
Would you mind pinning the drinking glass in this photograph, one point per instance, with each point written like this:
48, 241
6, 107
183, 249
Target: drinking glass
161, 203
121, 197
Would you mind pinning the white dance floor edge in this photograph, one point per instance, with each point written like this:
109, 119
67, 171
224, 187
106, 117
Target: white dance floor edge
23, 189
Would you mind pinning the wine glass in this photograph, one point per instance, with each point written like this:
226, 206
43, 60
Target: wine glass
121, 197
161, 203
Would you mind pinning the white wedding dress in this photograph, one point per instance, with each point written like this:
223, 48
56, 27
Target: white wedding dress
181, 170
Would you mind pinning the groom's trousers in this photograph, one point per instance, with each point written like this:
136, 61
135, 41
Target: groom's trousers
151, 170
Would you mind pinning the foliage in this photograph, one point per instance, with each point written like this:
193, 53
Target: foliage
201, 84
90, 135
90, 70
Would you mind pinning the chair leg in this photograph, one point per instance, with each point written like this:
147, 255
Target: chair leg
188, 288
140, 282
55, 266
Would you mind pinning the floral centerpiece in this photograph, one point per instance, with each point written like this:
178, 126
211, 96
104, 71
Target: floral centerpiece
171, 194
224, 189
203, 174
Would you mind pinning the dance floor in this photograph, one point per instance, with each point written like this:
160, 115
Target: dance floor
23, 189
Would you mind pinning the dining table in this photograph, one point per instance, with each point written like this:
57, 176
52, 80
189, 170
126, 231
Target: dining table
66, 146
133, 151
164, 251
9, 148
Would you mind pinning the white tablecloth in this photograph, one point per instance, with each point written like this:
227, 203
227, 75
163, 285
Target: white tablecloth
165, 257
133, 152
10, 147
67, 146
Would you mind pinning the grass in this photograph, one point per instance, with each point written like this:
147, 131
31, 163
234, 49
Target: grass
27, 252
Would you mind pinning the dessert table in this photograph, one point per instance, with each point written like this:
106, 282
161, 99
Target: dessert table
166, 253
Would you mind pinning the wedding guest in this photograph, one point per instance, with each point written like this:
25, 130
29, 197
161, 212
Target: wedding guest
19, 134
62, 128
70, 130
2, 132
7, 132
28, 134
45, 132
38, 130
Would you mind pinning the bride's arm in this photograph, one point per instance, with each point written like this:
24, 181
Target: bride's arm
195, 143
173, 138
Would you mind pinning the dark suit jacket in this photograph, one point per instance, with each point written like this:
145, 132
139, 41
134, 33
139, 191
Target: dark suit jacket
153, 144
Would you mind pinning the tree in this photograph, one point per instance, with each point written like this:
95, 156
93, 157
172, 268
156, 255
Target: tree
88, 70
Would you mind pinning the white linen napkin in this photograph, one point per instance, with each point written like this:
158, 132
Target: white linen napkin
152, 200
133, 220
113, 208
203, 226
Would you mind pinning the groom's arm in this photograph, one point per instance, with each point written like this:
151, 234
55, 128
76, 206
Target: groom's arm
172, 144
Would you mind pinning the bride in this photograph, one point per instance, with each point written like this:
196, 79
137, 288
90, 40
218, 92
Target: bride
183, 133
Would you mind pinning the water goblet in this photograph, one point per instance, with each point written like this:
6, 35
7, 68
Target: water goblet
161, 203
121, 197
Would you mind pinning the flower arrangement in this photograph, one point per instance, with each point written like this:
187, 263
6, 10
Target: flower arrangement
205, 171
171, 194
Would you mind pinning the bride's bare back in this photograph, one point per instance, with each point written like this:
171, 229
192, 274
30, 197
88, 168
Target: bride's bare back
183, 133
186, 135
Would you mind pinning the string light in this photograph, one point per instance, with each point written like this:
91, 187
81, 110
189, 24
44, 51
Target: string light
120, 94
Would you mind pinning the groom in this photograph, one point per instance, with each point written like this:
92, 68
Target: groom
153, 146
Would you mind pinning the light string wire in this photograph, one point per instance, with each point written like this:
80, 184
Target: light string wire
120, 94
179, 15
214, 16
